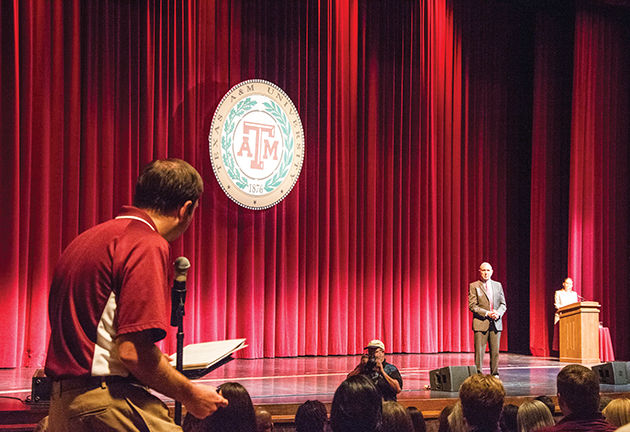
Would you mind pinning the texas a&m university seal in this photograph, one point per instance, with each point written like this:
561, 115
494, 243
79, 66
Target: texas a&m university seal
256, 144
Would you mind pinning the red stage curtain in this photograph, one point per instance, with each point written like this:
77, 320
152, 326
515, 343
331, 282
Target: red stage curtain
599, 250
594, 225
416, 120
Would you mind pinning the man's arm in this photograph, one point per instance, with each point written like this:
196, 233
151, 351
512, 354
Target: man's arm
473, 302
502, 307
393, 383
150, 366
357, 370
556, 298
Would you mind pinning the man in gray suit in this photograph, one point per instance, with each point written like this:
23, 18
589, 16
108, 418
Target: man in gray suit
487, 304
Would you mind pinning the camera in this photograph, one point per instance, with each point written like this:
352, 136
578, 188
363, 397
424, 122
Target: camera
370, 368
370, 365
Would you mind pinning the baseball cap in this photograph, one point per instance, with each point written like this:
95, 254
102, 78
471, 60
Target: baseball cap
376, 344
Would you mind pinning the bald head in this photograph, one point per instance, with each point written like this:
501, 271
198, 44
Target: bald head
485, 271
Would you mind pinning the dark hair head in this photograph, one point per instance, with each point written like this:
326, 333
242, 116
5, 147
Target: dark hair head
311, 416
357, 406
419, 425
443, 418
603, 402
264, 421
237, 416
482, 400
508, 418
396, 418
578, 387
548, 402
166, 184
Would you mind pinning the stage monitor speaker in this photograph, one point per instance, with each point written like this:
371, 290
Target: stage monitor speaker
41, 387
450, 378
612, 372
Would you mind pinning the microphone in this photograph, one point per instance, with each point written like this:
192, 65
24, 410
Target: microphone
178, 294
580, 297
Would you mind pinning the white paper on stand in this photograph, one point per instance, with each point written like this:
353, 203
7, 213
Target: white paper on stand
205, 354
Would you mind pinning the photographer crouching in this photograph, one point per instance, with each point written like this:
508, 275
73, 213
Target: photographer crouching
385, 376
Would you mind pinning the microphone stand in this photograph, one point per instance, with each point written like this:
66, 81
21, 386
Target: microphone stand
177, 319
180, 355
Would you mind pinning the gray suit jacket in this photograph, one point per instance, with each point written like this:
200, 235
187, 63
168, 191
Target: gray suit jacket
479, 304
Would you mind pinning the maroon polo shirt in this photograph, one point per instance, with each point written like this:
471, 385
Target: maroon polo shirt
111, 280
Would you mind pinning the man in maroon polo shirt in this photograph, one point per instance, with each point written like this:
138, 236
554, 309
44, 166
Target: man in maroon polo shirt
109, 304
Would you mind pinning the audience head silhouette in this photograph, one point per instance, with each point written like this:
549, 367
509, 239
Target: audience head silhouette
456, 420
238, 416
419, 424
311, 416
482, 401
396, 418
357, 406
533, 415
617, 412
578, 390
264, 422
508, 418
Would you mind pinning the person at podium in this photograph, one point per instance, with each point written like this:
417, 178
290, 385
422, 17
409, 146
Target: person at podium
563, 297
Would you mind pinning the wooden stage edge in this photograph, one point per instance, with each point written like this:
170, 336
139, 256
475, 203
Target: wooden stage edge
281, 385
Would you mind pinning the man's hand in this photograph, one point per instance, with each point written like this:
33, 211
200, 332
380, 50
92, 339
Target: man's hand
494, 315
357, 370
379, 365
203, 401
151, 367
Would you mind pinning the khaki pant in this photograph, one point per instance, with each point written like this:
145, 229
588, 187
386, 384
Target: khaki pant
107, 407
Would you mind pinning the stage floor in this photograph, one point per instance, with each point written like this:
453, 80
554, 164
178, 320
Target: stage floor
294, 380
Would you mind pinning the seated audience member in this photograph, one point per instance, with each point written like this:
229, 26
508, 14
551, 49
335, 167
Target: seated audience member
311, 416
617, 412
396, 418
357, 406
548, 402
533, 415
507, 421
443, 418
419, 424
578, 398
264, 423
237, 416
603, 402
482, 399
456, 420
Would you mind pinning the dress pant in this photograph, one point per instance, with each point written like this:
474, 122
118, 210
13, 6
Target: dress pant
107, 407
482, 338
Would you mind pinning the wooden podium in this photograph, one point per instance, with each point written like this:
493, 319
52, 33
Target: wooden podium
579, 332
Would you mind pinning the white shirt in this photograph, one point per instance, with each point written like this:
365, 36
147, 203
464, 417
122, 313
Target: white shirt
563, 298
489, 292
